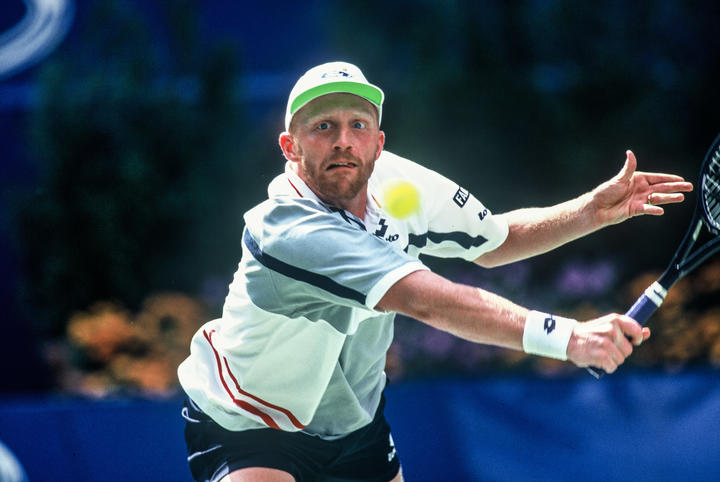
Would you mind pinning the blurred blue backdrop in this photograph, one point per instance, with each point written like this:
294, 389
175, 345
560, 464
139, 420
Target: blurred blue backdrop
629, 427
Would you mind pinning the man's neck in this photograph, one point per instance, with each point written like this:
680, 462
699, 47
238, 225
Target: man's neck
356, 206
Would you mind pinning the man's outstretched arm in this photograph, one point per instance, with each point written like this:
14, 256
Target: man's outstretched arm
483, 317
630, 193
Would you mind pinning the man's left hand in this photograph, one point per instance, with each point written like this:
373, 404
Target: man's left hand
633, 193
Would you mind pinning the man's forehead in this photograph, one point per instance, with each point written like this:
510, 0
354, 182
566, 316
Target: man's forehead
338, 101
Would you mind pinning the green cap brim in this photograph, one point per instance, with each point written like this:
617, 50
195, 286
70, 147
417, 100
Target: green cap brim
367, 92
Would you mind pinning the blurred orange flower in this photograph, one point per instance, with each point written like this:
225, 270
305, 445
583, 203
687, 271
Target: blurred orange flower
122, 351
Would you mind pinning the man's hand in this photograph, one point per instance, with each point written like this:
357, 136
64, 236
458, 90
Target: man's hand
605, 342
632, 193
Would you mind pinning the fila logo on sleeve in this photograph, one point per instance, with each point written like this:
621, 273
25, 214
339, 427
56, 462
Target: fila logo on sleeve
461, 196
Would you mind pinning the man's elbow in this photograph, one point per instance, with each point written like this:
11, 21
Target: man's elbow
489, 260
413, 295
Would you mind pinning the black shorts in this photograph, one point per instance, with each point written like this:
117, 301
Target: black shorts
368, 454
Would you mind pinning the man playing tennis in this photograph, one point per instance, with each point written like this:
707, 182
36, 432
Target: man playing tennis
288, 383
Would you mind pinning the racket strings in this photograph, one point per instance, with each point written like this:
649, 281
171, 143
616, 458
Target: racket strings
711, 189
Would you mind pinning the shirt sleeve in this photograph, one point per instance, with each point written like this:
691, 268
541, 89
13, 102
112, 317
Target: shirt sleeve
453, 222
318, 261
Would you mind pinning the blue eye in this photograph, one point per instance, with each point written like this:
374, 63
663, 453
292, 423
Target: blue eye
323, 126
359, 125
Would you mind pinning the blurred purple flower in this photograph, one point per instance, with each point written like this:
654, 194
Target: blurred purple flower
512, 276
586, 279
437, 343
471, 356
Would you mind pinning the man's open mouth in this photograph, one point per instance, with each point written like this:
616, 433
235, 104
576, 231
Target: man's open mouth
335, 165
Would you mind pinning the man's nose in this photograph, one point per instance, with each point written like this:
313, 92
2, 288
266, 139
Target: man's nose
343, 141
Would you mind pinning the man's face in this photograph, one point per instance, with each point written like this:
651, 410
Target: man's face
336, 140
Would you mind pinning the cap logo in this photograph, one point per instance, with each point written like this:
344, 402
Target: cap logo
336, 74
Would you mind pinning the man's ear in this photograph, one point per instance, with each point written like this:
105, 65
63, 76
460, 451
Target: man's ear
381, 144
290, 148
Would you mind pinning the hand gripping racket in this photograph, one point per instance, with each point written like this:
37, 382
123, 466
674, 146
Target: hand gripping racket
707, 214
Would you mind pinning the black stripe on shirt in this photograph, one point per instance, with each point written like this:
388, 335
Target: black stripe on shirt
463, 239
318, 280
348, 219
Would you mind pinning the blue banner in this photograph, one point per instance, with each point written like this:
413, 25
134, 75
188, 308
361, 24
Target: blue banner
634, 426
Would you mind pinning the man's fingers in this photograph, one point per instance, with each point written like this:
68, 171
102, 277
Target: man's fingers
631, 329
669, 185
629, 167
613, 359
657, 178
622, 342
626, 331
652, 210
657, 198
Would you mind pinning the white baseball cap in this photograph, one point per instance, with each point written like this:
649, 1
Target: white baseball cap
332, 78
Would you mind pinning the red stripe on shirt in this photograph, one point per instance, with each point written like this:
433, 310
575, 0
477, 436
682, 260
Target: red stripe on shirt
287, 412
296, 189
246, 406
240, 403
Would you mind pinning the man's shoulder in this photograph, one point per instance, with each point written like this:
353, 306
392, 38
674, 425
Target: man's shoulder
285, 210
390, 164
388, 158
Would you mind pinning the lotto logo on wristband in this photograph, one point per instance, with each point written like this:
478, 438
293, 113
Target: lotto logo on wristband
547, 335
549, 325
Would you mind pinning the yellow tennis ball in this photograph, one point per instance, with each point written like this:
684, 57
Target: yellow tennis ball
400, 199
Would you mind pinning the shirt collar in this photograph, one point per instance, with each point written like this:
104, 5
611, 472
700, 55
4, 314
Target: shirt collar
290, 184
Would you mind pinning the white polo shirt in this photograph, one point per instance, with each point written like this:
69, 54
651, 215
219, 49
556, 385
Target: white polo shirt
299, 345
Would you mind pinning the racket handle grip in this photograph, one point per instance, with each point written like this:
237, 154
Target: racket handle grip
648, 302
641, 312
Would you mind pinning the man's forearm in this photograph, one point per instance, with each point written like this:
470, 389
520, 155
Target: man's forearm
467, 312
534, 231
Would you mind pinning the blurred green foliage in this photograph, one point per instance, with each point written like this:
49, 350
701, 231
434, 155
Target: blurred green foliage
143, 145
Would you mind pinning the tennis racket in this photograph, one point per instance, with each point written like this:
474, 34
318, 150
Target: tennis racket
707, 215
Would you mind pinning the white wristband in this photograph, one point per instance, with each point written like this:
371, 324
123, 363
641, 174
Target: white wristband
547, 335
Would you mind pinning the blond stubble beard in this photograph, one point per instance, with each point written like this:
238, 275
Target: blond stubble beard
330, 190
